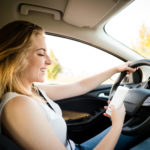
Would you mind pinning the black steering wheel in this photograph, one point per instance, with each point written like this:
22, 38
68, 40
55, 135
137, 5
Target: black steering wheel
137, 104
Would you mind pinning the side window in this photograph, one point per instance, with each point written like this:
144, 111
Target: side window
72, 60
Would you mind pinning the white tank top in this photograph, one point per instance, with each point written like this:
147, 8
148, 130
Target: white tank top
54, 116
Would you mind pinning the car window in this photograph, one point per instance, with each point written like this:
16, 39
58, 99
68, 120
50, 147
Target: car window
73, 60
131, 27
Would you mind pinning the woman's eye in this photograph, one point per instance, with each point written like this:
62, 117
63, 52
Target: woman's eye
41, 55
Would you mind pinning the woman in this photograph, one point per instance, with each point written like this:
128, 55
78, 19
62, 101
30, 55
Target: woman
28, 114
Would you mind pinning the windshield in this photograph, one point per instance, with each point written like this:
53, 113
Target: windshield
131, 27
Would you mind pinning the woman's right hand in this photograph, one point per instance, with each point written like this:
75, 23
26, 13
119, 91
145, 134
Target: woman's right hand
117, 114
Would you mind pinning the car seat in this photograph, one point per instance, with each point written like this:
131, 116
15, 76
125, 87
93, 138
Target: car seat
7, 144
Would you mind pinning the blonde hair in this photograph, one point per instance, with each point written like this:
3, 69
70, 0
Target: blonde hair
15, 41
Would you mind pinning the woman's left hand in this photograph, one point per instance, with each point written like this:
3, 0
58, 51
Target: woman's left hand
125, 67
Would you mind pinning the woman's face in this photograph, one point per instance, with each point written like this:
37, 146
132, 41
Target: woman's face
38, 60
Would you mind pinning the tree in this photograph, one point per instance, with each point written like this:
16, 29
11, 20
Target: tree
54, 68
142, 44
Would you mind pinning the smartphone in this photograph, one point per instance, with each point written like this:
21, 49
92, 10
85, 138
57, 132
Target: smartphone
118, 98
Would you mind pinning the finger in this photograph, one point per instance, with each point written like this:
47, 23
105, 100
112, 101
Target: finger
108, 101
106, 115
105, 107
131, 69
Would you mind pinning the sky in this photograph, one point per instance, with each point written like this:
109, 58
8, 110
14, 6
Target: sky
125, 26
76, 54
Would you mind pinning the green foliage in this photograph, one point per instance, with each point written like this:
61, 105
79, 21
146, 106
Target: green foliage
54, 68
142, 43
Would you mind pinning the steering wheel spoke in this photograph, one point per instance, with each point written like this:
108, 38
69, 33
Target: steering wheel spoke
134, 99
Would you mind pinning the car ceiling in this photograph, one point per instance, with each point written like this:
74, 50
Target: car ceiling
82, 20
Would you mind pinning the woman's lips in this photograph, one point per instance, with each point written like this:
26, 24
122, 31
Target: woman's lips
43, 69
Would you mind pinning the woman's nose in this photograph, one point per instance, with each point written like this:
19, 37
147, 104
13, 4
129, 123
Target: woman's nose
48, 60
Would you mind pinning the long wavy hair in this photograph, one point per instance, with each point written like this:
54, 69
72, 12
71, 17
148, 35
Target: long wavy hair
15, 41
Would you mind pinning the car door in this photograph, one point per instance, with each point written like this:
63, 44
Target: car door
72, 61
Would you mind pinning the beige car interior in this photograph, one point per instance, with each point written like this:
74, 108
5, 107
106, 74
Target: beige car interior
78, 19
82, 20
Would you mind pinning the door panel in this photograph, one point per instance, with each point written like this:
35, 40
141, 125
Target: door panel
84, 114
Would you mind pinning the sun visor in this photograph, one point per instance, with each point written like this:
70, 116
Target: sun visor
87, 13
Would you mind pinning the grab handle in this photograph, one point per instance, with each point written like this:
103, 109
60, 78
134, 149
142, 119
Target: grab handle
24, 10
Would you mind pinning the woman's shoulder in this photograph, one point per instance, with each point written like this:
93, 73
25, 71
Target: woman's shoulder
22, 108
10, 95
13, 97
17, 102
21, 111
17, 99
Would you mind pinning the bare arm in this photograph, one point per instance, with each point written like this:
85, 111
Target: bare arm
32, 131
56, 92
28, 125
110, 140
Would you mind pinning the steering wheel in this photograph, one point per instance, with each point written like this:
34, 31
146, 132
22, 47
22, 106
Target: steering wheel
137, 104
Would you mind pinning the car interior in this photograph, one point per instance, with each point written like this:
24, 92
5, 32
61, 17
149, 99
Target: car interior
84, 21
